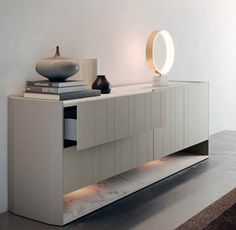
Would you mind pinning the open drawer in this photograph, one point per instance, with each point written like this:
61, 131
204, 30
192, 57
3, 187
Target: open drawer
111, 119
70, 126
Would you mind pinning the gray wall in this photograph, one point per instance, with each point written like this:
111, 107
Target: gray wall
116, 32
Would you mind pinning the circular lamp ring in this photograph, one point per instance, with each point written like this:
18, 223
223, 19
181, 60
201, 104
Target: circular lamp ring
170, 52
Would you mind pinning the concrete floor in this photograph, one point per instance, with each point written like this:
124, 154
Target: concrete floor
164, 205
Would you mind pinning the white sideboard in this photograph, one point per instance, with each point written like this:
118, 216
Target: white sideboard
116, 144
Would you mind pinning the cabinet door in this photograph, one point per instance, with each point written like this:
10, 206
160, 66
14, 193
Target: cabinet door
156, 109
179, 118
100, 122
167, 113
78, 168
196, 113
124, 158
158, 143
143, 148
85, 167
169, 128
85, 125
121, 117
191, 94
94, 123
110, 120
107, 161
139, 113
203, 109
158, 121
103, 121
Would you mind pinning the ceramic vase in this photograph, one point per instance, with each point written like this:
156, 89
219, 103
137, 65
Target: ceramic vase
57, 68
102, 84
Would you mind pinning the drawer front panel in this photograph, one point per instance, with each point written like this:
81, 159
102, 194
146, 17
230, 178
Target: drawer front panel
85, 167
85, 125
104, 121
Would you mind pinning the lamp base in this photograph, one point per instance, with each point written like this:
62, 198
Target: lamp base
159, 81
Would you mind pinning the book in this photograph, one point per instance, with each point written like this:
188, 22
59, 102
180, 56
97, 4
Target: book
64, 96
54, 90
45, 83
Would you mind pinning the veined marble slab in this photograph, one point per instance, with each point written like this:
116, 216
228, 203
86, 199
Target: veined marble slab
93, 197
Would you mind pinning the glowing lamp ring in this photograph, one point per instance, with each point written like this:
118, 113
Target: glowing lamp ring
170, 52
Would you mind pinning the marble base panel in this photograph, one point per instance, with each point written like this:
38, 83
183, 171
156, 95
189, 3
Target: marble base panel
93, 197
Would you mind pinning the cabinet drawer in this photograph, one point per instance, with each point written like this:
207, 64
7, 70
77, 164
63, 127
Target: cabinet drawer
70, 129
70, 126
92, 165
103, 121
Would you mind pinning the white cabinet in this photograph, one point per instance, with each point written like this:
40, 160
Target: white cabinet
115, 134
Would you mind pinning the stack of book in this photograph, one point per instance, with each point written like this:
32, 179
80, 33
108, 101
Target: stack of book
59, 91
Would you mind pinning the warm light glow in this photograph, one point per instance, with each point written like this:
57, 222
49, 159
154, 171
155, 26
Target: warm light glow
151, 165
82, 193
150, 55
92, 190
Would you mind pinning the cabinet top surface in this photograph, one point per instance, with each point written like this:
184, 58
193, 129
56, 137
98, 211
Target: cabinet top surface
118, 91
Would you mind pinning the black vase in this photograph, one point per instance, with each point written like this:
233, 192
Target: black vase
102, 84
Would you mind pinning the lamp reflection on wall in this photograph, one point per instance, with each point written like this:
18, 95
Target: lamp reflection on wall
160, 73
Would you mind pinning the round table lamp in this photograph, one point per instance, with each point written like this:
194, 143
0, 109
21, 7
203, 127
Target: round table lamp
159, 73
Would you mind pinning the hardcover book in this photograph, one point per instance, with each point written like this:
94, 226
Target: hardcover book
64, 96
55, 90
45, 83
